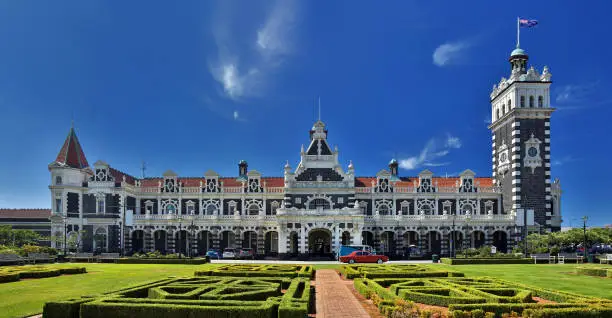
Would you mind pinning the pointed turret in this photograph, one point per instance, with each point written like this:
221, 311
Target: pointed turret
71, 154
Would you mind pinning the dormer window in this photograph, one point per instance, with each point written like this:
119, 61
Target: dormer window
522, 101
425, 185
58, 180
170, 185
254, 185
383, 185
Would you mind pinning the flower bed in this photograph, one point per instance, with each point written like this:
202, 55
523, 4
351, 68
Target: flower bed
149, 260
259, 270
594, 271
15, 273
486, 260
467, 296
207, 296
394, 271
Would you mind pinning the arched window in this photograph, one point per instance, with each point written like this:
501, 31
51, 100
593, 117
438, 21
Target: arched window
497, 114
540, 101
504, 110
383, 209
314, 204
100, 240
522, 101
531, 101
509, 104
253, 209
467, 209
58, 180
211, 209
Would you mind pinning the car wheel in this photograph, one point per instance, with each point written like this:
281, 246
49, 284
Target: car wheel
379, 261
351, 261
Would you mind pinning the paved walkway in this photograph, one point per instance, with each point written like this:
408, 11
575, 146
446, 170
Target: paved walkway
334, 299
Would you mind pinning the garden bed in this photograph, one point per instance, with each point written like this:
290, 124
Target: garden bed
16, 273
167, 260
395, 271
486, 260
207, 296
595, 271
259, 270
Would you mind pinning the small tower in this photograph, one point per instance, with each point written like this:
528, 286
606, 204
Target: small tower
243, 168
393, 167
520, 127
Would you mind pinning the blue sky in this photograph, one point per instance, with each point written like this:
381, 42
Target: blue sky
205, 84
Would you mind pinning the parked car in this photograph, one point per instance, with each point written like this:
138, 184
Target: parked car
229, 253
213, 254
363, 257
246, 253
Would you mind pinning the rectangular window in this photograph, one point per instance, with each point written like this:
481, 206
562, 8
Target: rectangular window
405, 209
100, 206
58, 205
190, 209
232, 209
298, 200
340, 200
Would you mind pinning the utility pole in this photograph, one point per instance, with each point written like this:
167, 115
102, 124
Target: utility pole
584, 219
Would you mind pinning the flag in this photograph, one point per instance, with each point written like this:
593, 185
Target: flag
526, 23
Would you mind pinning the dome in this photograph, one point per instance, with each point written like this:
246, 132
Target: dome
393, 161
318, 125
518, 51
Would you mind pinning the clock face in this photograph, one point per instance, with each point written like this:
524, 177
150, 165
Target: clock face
532, 151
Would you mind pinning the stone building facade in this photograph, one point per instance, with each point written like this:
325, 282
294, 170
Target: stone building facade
319, 205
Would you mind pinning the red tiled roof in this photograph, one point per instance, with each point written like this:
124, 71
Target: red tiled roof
364, 181
151, 182
71, 153
230, 182
273, 181
25, 213
118, 175
192, 181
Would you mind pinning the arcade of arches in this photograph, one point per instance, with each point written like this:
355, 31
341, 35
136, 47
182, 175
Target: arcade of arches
317, 241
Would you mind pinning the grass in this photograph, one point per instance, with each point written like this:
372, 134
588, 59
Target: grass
26, 297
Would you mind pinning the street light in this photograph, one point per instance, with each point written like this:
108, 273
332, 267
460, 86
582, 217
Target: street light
584, 220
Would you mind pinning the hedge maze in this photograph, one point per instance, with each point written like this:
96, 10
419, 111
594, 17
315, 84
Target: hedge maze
394, 271
208, 294
595, 271
259, 270
15, 273
465, 296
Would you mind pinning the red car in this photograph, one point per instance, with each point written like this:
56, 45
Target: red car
363, 257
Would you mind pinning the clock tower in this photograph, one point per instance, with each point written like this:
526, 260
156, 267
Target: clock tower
520, 127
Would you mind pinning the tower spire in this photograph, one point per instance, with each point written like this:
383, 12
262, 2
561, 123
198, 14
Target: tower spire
319, 108
72, 154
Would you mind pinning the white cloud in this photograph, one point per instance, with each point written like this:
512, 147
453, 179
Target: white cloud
449, 52
235, 115
453, 142
563, 160
431, 153
242, 71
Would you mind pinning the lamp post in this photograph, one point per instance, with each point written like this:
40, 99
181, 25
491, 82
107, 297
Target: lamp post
584, 220
65, 219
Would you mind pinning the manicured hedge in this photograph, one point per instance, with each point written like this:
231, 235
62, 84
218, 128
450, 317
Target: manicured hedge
254, 270
206, 296
491, 261
467, 297
15, 273
593, 271
394, 271
144, 260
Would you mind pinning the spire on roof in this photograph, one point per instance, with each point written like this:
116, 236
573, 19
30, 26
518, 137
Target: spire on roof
72, 154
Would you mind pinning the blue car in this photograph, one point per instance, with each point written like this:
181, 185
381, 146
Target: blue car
213, 254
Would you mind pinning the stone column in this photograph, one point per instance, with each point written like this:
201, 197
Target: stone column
336, 235
303, 243
237, 238
399, 243
170, 241
444, 244
283, 242
215, 239
149, 245
261, 240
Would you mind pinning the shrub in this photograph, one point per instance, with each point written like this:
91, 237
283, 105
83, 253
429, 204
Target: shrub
148, 260
593, 271
474, 261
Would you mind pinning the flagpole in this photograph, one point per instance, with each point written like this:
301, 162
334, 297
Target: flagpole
518, 32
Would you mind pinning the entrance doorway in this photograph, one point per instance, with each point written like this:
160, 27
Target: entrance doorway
319, 242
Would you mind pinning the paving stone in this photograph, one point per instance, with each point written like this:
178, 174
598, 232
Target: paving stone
333, 297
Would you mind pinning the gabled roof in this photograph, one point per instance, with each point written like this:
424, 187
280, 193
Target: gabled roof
71, 154
118, 175
25, 213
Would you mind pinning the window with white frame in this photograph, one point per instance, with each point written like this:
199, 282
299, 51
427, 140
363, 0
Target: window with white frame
340, 200
298, 200
100, 205
364, 207
253, 209
211, 209
447, 206
190, 207
170, 208
58, 204
489, 206
405, 207
231, 208
149, 207
383, 209
273, 207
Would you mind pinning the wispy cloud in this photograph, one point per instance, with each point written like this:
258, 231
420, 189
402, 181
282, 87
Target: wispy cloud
430, 155
243, 71
580, 96
449, 53
564, 160
235, 115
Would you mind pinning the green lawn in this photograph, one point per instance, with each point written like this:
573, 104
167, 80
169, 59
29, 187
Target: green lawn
27, 297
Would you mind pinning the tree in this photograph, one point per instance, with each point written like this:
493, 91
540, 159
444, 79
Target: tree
12, 237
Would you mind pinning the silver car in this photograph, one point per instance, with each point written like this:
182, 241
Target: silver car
229, 253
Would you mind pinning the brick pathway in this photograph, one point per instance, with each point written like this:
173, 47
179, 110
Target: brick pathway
334, 299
